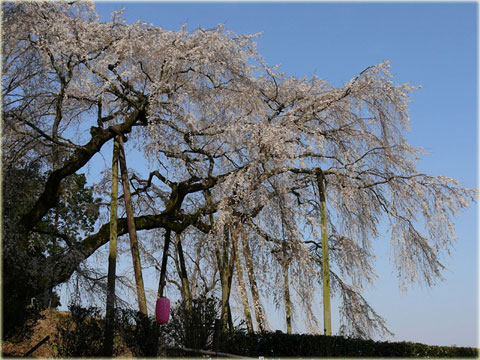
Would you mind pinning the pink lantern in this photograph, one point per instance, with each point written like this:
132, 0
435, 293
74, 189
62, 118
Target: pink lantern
162, 310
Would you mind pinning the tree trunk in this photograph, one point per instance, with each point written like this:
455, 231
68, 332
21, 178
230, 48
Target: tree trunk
327, 321
163, 270
226, 265
230, 318
243, 291
112, 256
230, 272
183, 274
257, 305
137, 266
288, 304
225, 268
48, 198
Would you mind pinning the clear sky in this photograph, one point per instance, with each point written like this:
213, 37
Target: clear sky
428, 44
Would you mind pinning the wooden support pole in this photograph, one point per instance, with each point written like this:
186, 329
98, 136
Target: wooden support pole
112, 256
43, 341
137, 266
327, 321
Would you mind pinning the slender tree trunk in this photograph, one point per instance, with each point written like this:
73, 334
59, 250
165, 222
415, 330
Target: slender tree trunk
327, 321
230, 317
225, 268
183, 274
230, 272
163, 270
137, 266
243, 291
196, 269
161, 286
112, 256
257, 305
223, 282
288, 304
225, 265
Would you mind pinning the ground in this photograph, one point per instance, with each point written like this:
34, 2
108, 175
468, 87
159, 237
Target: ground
44, 327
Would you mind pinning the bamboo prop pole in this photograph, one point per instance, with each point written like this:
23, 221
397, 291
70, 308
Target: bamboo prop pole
112, 256
327, 321
137, 266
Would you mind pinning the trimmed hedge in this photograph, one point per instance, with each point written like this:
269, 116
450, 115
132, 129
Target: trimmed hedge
279, 344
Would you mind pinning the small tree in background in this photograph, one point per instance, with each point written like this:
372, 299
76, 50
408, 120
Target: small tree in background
194, 329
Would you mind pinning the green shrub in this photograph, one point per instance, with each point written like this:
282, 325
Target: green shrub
80, 335
193, 330
140, 333
278, 344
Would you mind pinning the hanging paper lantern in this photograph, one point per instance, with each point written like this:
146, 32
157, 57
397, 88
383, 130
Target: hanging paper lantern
162, 310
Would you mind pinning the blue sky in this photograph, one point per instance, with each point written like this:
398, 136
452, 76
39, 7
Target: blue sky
428, 44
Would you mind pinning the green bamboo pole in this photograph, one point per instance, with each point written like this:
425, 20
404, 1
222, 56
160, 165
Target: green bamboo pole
327, 321
112, 256
137, 266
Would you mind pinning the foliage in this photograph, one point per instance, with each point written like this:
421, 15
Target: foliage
80, 335
76, 213
298, 345
140, 333
194, 329
19, 321
21, 186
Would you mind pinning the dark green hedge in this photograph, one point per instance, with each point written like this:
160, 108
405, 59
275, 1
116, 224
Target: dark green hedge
279, 344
